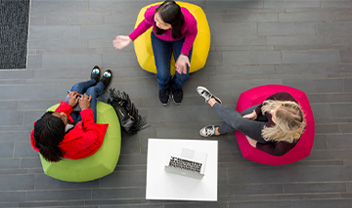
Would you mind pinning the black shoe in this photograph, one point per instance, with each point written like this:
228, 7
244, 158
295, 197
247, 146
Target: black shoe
107, 76
95, 74
206, 94
164, 96
177, 95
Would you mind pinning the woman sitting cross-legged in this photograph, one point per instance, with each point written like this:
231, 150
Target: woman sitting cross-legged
71, 134
274, 126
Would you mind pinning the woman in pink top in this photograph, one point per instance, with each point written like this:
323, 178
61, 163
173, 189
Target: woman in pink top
174, 31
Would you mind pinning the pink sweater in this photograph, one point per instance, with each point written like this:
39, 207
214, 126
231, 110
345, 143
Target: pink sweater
189, 29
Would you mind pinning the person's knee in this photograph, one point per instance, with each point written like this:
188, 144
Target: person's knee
181, 78
91, 91
75, 87
239, 124
163, 78
236, 125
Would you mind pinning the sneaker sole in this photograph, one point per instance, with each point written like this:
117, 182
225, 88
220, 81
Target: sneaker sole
205, 89
205, 136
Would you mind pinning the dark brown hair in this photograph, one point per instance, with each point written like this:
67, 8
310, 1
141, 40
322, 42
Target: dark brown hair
49, 131
171, 13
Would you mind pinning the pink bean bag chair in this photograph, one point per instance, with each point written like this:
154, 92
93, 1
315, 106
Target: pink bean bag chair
304, 146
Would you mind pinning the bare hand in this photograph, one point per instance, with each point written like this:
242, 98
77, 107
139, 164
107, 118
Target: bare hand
84, 101
251, 116
73, 98
182, 63
252, 142
121, 41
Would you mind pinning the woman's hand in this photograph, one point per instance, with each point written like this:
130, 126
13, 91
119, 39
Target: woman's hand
251, 116
121, 41
182, 63
252, 142
73, 98
84, 101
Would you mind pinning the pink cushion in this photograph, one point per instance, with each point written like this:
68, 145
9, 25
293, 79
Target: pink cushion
304, 146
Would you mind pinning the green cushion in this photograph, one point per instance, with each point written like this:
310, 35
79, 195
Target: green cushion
100, 164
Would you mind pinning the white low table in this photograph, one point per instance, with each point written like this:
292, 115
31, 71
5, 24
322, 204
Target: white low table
162, 185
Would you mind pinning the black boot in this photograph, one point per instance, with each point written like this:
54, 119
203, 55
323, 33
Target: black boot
177, 95
107, 76
164, 96
95, 74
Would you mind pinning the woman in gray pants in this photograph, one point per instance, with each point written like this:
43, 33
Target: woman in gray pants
274, 126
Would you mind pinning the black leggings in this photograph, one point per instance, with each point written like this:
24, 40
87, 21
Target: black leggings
233, 120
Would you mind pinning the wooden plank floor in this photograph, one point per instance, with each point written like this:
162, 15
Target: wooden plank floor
304, 44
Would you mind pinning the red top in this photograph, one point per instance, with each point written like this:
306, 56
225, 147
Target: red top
275, 148
189, 28
84, 139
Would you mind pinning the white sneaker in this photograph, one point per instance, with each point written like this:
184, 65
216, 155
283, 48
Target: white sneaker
208, 131
206, 94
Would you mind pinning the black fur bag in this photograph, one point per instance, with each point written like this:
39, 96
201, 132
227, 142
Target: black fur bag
129, 118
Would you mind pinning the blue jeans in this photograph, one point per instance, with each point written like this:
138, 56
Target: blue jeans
90, 88
162, 56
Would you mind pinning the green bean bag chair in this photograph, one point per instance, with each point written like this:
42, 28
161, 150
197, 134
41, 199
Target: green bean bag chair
98, 165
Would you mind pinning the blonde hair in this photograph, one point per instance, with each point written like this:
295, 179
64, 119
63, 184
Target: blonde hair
289, 123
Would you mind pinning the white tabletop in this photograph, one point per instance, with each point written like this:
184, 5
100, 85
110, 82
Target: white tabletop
162, 185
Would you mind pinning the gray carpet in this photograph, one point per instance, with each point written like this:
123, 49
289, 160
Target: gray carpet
13, 33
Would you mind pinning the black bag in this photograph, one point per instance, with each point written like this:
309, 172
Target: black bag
130, 120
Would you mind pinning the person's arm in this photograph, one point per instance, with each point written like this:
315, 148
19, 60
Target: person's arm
251, 116
140, 29
192, 31
189, 40
145, 24
279, 149
66, 108
122, 41
190, 36
90, 134
251, 141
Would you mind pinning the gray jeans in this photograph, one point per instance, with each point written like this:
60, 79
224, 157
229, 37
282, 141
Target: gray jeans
233, 120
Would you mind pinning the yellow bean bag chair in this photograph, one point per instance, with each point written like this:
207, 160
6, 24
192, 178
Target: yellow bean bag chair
201, 45
101, 163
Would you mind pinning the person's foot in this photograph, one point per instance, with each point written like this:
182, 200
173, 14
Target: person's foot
164, 96
177, 95
107, 76
95, 74
206, 94
208, 131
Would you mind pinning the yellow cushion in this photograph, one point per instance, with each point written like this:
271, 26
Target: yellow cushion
201, 45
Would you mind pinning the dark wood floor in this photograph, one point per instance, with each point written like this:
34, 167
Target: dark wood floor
304, 44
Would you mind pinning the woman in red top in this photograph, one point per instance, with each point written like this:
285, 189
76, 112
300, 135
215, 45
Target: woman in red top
71, 134
274, 126
174, 31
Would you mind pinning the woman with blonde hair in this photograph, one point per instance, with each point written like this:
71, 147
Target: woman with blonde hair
274, 126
